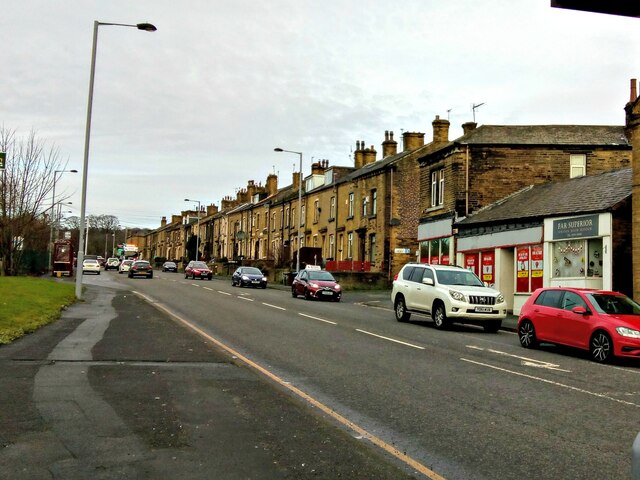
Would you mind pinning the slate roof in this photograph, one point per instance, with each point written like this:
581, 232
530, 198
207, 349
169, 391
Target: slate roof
591, 135
588, 194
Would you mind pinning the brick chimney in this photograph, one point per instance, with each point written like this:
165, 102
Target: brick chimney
369, 155
358, 155
389, 146
412, 140
163, 222
272, 184
227, 203
317, 168
251, 189
468, 127
634, 91
211, 209
440, 130
176, 218
296, 180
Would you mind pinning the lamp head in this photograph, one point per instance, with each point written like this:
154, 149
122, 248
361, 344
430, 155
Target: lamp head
147, 27
278, 149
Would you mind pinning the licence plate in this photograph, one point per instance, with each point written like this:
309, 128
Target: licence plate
326, 292
255, 281
484, 309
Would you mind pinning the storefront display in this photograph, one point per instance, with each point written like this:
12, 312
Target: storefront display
529, 268
577, 258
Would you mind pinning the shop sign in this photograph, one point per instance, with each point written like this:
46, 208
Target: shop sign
402, 250
488, 262
537, 266
522, 269
576, 227
471, 262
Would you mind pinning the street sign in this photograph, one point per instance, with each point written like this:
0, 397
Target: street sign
3, 158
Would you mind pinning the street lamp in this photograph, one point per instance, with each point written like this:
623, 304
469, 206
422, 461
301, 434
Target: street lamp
53, 202
198, 232
147, 27
299, 203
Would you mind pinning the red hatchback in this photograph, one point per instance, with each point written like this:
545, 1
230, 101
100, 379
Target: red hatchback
197, 269
316, 283
605, 323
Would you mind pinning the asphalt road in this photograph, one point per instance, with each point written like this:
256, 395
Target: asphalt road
462, 404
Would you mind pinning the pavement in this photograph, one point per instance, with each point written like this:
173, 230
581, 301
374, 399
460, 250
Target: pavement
116, 389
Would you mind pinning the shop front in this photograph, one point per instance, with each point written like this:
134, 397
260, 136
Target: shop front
436, 242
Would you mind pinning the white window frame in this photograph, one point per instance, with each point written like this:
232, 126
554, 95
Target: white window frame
351, 201
332, 208
577, 165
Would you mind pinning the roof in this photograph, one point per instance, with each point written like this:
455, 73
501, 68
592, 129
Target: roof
591, 193
588, 135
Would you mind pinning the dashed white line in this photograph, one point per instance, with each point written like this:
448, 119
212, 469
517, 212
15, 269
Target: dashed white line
526, 361
551, 382
207, 288
195, 285
273, 306
316, 318
245, 298
224, 293
391, 339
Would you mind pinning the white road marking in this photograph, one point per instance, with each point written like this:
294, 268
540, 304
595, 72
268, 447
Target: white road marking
316, 318
390, 339
245, 298
224, 293
207, 288
273, 306
526, 361
557, 384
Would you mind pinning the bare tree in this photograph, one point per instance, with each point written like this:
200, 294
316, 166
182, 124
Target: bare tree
27, 183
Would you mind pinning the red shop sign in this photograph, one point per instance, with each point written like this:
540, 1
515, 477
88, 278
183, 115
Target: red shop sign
488, 267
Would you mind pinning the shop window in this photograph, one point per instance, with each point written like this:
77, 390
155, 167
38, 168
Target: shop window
577, 258
529, 268
435, 251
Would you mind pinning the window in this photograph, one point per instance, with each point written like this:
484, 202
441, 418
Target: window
350, 245
572, 300
316, 211
577, 165
331, 246
303, 214
273, 221
374, 202
372, 248
435, 251
417, 275
332, 208
549, 298
293, 217
287, 213
577, 258
437, 187
315, 240
350, 205
364, 206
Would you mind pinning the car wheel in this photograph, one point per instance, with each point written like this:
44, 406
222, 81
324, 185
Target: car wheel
601, 347
98, 273
151, 276
492, 326
264, 286
209, 278
294, 294
440, 316
186, 275
193, 276
400, 309
527, 334
307, 294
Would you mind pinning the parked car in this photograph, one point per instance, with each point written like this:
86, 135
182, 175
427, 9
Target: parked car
315, 283
447, 293
605, 323
90, 265
112, 264
125, 265
248, 277
101, 260
141, 268
197, 269
169, 267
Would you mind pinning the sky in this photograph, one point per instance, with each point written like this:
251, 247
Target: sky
195, 109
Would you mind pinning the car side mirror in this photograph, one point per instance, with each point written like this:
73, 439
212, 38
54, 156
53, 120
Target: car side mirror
428, 281
580, 310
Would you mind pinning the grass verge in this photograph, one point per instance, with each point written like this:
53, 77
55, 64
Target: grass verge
27, 304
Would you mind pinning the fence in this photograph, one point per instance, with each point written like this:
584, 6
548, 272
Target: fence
347, 266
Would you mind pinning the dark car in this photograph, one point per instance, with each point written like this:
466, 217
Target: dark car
141, 268
605, 323
316, 283
169, 267
248, 277
197, 269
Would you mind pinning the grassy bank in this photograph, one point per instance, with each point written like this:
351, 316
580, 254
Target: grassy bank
28, 303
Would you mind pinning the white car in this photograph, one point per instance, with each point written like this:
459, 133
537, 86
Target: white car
91, 265
125, 266
447, 293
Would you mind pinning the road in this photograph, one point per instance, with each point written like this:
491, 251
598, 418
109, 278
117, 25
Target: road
463, 403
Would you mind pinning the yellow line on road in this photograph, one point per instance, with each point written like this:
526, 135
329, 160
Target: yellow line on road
308, 398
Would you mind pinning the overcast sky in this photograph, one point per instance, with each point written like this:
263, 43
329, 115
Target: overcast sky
195, 109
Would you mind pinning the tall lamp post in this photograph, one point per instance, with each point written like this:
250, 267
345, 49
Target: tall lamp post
147, 27
53, 202
198, 232
299, 203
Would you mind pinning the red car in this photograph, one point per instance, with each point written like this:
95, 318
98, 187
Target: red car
605, 323
316, 283
197, 269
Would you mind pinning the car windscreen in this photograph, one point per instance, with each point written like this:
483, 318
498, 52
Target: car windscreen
323, 276
141, 264
458, 277
613, 304
199, 265
251, 271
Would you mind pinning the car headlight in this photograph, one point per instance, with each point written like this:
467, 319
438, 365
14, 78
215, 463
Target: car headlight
628, 332
264, 279
337, 287
314, 285
456, 295
500, 298
244, 277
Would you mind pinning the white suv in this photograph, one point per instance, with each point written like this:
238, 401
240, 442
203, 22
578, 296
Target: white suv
448, 294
